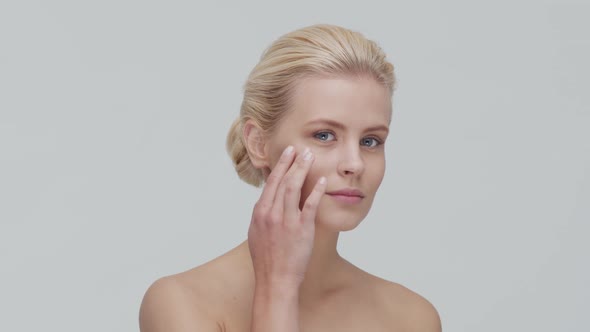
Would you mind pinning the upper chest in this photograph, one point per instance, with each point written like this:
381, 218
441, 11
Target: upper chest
345, 318
344, 313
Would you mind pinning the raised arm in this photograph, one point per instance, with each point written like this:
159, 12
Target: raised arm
280, 239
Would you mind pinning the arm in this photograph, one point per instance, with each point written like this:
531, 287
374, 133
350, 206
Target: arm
280, 239
166, 307
275, 308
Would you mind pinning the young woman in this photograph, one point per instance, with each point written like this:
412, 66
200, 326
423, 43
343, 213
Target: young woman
312, 129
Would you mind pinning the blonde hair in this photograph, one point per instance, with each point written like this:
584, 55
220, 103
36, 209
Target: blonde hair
317, 50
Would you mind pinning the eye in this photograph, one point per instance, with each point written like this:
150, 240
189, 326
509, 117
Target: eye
370, 142
324, 136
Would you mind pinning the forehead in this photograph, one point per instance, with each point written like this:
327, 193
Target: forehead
349, 100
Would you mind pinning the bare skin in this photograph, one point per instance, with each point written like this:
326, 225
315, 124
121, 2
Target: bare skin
221, 292
288, 275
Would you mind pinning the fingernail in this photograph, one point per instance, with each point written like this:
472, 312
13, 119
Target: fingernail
288, 150
322, 180
307, 155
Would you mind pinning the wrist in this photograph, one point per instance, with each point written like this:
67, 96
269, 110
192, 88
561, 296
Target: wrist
275, 307
277, 289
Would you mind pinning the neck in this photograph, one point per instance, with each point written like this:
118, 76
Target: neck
325, 267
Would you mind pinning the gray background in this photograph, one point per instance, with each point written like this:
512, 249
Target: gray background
113, 117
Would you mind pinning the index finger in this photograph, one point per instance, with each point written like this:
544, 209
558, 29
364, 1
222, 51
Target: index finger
276, 175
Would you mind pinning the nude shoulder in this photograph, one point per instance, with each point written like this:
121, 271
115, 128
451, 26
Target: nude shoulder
417, 312
200, 296
170, 304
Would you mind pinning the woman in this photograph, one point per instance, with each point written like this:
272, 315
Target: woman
312, 128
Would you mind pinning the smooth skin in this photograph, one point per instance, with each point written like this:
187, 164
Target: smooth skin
288, 275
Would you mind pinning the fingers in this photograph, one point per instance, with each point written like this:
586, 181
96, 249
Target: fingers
293, 182
280, 199
278, 206
309, 210
274, 179
290, 188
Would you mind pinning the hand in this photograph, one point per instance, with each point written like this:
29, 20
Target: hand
281, 235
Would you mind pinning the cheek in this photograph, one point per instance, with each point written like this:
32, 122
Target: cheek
378, 172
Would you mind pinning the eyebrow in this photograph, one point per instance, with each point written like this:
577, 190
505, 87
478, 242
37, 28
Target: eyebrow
342, 127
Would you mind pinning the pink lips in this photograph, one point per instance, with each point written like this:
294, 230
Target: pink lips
348, 195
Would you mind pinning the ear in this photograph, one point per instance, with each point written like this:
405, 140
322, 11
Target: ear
255, 144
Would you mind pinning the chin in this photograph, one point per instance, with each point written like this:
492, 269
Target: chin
337, 227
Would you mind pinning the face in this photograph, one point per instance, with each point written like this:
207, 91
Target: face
345, 122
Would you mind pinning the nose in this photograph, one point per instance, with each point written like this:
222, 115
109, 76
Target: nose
351, 162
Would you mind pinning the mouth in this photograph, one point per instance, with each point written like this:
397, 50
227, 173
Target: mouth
348, 195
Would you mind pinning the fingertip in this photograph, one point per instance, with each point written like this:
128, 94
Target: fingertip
322, 180
288, 150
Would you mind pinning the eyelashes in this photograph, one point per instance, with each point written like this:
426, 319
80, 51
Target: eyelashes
323, 135
328, 136
368, 139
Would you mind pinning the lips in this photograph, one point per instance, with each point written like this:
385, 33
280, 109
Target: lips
347, 192
347, 196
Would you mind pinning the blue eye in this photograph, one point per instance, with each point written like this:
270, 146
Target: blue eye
370, 142
324, 136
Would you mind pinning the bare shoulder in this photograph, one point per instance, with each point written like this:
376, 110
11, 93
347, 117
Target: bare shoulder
170, 304
417, 313
198, 299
